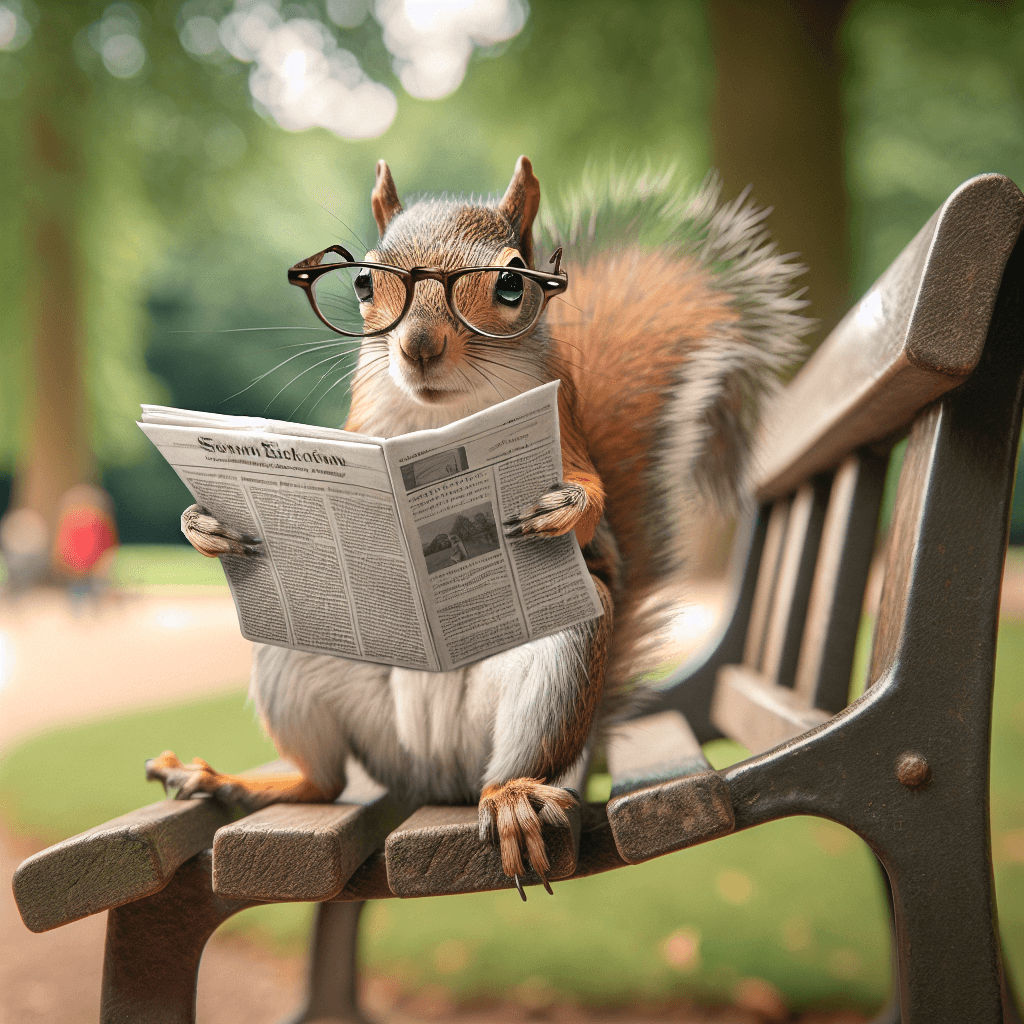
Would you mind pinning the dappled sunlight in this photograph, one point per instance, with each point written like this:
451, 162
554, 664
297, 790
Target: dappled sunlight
304, 79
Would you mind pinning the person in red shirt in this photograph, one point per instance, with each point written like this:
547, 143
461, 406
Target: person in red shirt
86, 537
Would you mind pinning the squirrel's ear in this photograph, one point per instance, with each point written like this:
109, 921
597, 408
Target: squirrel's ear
384, 198
519, 205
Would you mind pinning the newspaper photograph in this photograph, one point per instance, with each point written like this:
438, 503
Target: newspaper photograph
386, 550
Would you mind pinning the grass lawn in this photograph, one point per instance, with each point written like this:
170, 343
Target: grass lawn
797, 903
161, 564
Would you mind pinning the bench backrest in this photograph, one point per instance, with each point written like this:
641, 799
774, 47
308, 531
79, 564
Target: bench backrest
782, 663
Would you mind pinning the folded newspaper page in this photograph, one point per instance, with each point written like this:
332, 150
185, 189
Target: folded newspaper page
387, 550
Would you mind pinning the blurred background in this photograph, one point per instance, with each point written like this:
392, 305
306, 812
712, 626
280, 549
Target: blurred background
165, 162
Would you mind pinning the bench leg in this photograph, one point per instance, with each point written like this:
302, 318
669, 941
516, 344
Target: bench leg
331, 980
890, 1013
154, 945
950, 966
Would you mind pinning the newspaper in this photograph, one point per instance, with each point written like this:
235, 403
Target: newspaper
388, 550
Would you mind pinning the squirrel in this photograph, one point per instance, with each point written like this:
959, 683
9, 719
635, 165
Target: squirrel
679, 317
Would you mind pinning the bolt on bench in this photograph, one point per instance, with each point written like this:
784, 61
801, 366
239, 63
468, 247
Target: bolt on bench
935, 352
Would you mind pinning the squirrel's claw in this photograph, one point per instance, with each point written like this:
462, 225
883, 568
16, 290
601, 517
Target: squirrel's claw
210, 537
554, 513
187, 779
511, 817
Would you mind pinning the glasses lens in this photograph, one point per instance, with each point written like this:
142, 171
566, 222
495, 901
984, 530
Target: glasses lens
500, 303
360, 300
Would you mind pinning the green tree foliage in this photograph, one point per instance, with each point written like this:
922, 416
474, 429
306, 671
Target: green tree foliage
191, 205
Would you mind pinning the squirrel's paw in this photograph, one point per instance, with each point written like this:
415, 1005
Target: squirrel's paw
510, 817
197, 777
211, 538
556, 512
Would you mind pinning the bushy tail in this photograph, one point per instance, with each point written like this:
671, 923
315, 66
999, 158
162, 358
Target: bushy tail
679, 318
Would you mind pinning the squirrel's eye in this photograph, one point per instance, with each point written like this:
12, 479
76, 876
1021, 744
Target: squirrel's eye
509, 287
363, 285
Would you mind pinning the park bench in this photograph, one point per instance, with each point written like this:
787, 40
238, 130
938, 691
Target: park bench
933, 352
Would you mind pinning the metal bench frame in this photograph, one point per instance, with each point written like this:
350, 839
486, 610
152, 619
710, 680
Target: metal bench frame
935, 352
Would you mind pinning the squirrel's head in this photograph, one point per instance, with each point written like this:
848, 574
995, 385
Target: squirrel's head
432, 355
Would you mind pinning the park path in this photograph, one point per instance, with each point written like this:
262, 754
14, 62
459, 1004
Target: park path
127, 650
135, 649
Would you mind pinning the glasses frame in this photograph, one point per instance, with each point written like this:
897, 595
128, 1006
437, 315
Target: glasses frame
304, 275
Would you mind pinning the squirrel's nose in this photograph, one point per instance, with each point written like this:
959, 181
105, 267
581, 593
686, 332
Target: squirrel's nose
420, 345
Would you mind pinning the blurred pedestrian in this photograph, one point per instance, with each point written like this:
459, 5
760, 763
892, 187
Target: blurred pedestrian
25, 548
86, 540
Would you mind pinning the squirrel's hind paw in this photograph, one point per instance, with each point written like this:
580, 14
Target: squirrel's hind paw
210, 537
510, 818
197, 777
557, 511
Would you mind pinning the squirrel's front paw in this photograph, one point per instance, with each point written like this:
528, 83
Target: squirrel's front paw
212, 538
557, 511
510, 818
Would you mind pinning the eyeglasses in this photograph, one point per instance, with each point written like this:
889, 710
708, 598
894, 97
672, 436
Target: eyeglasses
496, 302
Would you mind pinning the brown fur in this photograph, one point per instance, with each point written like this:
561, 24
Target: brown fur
623, 343
515, 811
384, 199
251, 791
520, 204
620, 351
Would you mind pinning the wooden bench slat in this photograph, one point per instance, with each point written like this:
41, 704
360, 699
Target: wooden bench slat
437, 851
793, 585
123, 860
764, 589
754, 711
665, 795
304, 851
652, 749
597, 853
917, 333
837, 594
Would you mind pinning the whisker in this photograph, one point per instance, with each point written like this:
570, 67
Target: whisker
312, 390
347, 227
565, 301
302, 374
487, 378
340, 380
253, 383
240, 330
514, 369
507, 383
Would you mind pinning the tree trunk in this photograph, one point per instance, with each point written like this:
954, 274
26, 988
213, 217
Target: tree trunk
56, 453
777, 123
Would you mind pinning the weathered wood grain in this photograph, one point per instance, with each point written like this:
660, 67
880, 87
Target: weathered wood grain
112, 864
665, 795
793, 585
764, 588
754, 711
917, 333
438, 851
304, 851
840, 576
655, 748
